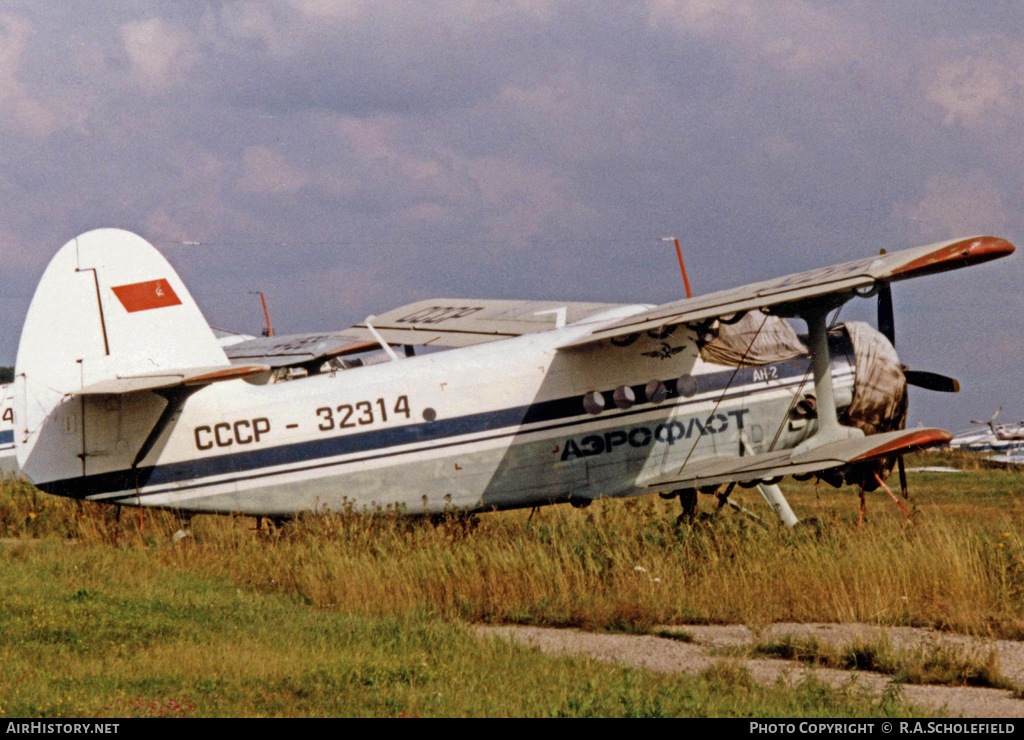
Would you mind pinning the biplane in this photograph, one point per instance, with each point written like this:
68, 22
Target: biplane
122, 393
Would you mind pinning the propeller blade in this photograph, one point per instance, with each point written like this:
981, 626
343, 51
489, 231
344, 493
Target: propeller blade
903, 476
989, 422
932, 381
886, 318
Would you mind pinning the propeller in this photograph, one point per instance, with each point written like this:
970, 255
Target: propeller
932, 381
920, 378
886, 316
887, 326
990, 421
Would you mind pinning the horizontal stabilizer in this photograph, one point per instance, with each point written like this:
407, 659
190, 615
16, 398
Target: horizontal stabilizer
785, 462
193, 376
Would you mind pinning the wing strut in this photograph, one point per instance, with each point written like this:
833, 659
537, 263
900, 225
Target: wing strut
770, 492
380, 340
829, 428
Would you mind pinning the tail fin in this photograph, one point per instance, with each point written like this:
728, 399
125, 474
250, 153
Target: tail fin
110, 316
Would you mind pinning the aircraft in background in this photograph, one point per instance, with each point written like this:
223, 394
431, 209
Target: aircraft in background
123, 394
1004, 435
8, 464
991, 438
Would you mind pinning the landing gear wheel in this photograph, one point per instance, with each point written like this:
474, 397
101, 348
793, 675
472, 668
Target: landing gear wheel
688, 500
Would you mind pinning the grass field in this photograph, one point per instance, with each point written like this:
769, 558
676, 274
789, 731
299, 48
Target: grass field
354, 615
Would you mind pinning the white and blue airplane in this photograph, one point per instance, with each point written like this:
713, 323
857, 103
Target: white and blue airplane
122, 394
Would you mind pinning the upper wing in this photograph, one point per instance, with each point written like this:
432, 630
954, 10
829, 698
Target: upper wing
786, 462
785, 296
441, 322
298, 349
457, 322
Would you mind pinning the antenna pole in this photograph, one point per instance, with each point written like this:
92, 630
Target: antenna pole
266, 314
682, 267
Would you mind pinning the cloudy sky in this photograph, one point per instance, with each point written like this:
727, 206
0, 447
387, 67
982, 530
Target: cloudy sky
346, 157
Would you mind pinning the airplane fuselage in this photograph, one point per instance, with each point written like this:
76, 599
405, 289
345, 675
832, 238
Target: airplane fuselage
493, 426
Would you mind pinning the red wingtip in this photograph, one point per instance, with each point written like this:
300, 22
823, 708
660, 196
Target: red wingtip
919, 439
959, 254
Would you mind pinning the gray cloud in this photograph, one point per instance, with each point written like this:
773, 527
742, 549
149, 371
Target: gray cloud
349, 156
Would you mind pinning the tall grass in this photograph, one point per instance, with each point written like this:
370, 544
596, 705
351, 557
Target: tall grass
628, 565
616, 565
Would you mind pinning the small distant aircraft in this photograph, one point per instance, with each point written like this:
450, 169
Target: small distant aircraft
123, 394
7, 462
1001, 438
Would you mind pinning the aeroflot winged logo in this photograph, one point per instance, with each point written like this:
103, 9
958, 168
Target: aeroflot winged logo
147, 295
